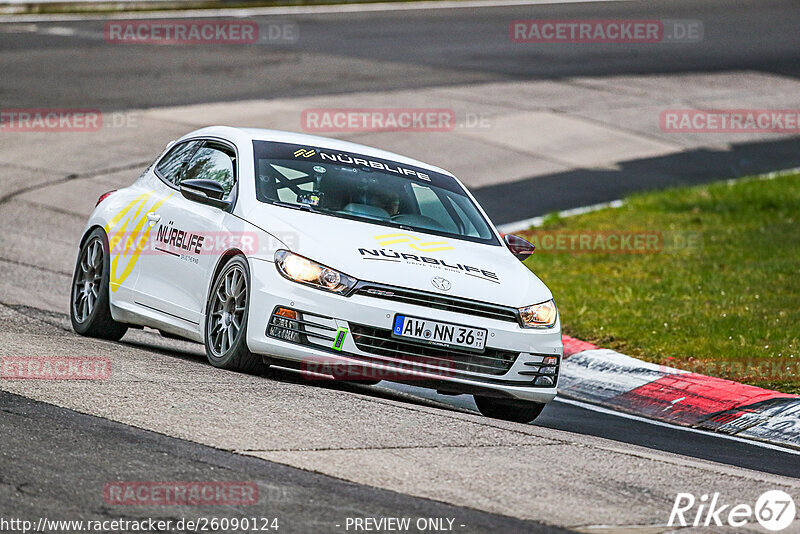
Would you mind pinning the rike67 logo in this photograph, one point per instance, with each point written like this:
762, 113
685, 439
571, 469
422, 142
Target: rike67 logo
774, 510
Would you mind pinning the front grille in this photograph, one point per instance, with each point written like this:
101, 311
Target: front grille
439, 302
380, 342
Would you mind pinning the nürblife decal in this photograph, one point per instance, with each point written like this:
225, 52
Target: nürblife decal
356, 160
416, 259
179, 239
182, 244
347, 159
291, 152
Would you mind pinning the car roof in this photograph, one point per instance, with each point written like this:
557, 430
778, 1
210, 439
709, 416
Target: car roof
260, 134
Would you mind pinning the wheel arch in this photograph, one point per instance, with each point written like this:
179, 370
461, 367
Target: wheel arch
88, 231
223, 260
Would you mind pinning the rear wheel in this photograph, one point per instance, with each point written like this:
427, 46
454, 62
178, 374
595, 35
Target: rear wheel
90, 311
509, 409
226, 320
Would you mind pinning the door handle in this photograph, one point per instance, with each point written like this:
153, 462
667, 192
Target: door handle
153, 218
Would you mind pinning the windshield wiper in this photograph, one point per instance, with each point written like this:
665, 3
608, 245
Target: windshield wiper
312, 209
303, 207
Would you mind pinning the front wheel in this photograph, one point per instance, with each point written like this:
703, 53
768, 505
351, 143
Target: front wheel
89, 308
226, 320
509, 409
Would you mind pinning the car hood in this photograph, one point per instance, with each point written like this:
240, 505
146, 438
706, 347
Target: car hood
403, 258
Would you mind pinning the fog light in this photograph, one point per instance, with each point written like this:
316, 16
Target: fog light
283, 328
543, 381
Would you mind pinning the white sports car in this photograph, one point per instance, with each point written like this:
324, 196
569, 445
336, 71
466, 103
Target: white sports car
321, 255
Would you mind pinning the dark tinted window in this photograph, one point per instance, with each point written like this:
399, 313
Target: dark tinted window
370, 189
212, 162
173, 164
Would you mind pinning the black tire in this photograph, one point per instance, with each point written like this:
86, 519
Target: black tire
226, 320
509, 409
89, 308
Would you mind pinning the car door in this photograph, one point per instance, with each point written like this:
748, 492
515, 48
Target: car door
188, 236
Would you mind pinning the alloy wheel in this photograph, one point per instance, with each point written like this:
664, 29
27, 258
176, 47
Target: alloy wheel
227, 310
87, 283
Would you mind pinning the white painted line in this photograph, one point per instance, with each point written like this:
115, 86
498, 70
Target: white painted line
58, 30
524, 224
770, 175
607, 411
294, 10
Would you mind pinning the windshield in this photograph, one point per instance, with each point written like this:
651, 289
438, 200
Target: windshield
365, 188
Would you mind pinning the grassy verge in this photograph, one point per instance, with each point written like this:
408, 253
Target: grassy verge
712, 287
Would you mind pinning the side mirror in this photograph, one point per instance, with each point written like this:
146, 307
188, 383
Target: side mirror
204, 191
519, 247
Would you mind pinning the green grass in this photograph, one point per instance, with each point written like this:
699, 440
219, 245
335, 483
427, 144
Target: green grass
727, 306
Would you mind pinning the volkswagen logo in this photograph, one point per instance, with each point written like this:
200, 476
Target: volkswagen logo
441, 284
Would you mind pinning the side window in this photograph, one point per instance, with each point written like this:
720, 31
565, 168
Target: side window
212, 162
172, 165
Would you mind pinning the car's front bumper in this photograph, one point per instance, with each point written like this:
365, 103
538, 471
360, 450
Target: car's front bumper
508, 368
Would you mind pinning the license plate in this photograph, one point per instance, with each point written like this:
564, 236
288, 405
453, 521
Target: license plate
439, 334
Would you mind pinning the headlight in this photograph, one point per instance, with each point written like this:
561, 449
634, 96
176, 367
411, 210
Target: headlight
539, 315
302, 270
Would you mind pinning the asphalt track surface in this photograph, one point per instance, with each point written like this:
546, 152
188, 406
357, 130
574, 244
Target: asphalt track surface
381, 51
303, 502
342, 53
49, 460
